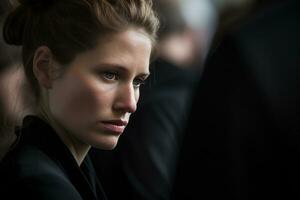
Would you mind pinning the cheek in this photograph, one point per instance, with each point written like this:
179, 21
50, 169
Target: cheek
78, 100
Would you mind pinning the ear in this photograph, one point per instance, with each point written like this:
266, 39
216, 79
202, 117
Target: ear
42, 66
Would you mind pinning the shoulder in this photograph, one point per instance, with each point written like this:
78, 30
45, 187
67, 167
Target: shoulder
28, 160
29, 172
166, 74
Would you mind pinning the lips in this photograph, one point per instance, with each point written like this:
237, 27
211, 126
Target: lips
116, 122
114, 126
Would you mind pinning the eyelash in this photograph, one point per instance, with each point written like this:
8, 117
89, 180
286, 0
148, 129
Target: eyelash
115, 76
139, 83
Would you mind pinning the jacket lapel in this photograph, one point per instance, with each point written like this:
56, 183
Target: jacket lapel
39, 133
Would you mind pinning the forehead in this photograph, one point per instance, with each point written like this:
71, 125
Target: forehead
130, 48
129, 39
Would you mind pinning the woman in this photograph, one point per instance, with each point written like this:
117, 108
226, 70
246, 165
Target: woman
85, 60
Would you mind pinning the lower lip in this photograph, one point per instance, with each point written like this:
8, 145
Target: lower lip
112, 128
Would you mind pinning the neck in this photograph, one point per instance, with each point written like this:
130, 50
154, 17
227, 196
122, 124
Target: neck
77, 148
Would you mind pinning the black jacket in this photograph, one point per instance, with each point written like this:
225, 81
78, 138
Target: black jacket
243, 137
42, 167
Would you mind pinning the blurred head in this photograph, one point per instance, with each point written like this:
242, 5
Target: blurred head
14, 99
10, 80
85, 60
177, 41
170, 16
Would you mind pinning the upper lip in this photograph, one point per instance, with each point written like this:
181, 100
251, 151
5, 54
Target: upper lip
117, 122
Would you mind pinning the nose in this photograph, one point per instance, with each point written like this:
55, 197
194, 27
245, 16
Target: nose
126, 100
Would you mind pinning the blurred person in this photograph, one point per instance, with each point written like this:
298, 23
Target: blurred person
12, 105
85, 70
147, 153
202, 19
231, 13
242, 140
14, 99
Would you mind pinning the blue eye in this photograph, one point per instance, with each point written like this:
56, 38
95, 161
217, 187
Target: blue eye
138, 82
110, 75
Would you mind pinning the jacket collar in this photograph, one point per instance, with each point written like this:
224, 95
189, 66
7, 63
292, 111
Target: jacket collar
37, 132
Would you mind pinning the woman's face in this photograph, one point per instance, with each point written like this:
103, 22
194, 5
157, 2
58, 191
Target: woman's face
94, 97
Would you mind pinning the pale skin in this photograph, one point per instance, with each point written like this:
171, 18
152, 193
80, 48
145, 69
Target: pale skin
91, 102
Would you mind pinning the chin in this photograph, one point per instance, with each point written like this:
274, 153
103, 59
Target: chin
107, 145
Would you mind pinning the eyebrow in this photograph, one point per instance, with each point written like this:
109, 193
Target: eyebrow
124, 69
144, 75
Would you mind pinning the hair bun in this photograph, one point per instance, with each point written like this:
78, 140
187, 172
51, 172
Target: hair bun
17, 20
13, 27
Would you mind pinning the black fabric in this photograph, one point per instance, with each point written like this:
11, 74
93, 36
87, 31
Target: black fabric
242, 140
42, 167
145, 157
